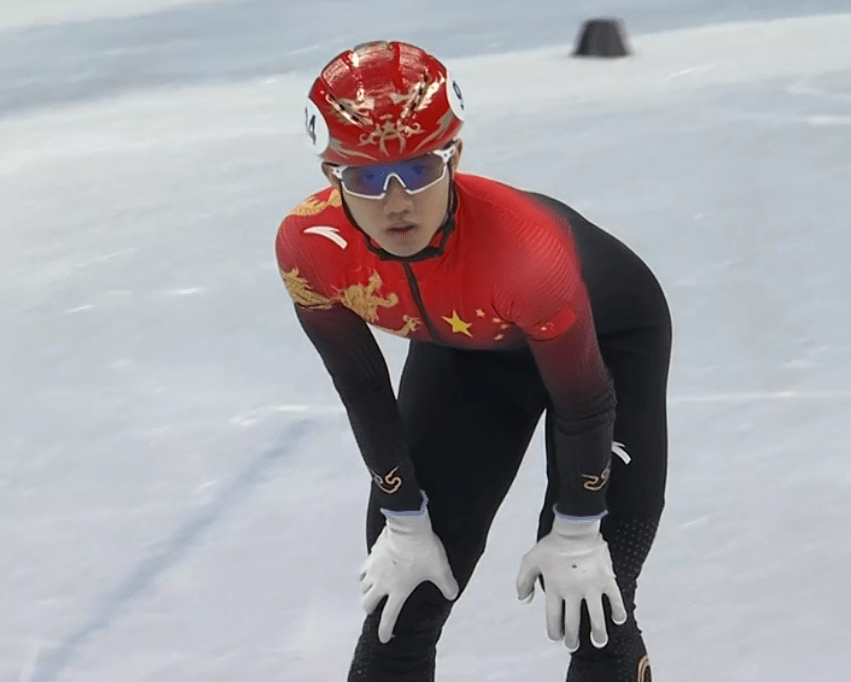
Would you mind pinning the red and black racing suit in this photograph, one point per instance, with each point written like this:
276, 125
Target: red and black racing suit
518, 307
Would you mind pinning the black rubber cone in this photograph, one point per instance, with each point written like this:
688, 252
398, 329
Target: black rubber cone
601, 38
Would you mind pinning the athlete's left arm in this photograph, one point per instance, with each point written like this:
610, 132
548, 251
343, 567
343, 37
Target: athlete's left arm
553, 309
583, 413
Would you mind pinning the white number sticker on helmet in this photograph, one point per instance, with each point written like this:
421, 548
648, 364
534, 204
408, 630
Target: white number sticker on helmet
456, 99
316, 128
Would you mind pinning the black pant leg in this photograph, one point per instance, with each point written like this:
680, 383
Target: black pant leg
469, 418
638, 361
633, 324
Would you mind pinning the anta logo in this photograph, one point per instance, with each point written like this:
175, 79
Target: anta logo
331, 233
619, 449
644, 670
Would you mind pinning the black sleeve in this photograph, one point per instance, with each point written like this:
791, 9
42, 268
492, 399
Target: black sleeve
359, 372
583, 413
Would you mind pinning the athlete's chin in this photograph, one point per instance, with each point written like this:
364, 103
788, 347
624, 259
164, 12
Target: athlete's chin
404, 242
402, 252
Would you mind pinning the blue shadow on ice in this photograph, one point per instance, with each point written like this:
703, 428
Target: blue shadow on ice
51, 664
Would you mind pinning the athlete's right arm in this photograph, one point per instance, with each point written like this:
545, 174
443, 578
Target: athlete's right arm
359, 372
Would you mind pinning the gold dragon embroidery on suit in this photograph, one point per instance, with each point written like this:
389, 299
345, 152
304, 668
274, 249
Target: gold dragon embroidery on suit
365, 302
302, 293
360, 299
411, 325
312, 206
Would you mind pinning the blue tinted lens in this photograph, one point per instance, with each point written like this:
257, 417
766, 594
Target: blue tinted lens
415, 174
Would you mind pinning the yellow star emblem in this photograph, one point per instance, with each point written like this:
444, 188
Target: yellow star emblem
458, 325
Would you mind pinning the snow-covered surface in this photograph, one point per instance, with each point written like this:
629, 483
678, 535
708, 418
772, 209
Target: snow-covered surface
23, 14
180, 497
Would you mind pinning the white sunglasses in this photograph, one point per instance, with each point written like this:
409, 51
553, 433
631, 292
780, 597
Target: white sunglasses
415, 175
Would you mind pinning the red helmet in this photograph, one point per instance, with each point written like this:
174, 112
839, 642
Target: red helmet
382, 101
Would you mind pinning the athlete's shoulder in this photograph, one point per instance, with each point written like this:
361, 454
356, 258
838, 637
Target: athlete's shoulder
312, 247
317, 230
485, 190
320, 213
317, 203
506, 204
530, 255
511, 217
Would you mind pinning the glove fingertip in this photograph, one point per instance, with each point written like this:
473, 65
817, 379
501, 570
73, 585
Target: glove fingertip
385, 631
601, 643
370, 600
527, 596
525, 583
619, 613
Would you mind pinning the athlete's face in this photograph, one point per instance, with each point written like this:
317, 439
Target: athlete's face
401, 223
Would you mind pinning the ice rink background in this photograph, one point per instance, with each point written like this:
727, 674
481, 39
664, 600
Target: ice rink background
180, 497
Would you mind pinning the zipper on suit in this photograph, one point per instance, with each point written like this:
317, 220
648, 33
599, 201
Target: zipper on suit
415, 291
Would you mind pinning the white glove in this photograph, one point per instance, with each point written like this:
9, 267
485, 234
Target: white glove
406, 553
575, 563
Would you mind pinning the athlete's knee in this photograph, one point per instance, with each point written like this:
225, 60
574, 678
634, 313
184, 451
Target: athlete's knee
629, 541
424, 613
411, 653
623, 659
